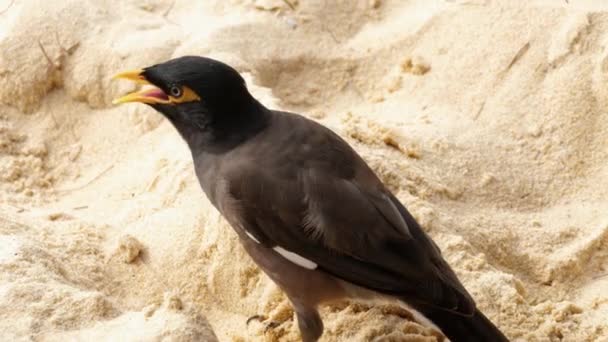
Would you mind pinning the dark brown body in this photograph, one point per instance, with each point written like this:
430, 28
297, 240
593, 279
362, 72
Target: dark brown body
259, 187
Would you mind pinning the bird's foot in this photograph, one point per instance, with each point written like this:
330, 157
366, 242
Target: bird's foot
269, 324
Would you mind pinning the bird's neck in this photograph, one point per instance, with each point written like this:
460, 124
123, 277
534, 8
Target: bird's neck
225, 131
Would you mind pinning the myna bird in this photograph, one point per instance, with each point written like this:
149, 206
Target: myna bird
306, 207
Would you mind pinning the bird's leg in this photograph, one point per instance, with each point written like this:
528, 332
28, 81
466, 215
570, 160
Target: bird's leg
309, 322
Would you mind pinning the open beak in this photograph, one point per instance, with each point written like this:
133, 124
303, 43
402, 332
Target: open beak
147, 94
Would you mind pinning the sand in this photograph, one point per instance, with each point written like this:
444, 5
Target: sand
487, 118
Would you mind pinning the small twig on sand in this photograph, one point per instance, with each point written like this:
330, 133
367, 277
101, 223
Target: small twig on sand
166, 14
326, 29
168, 10
65, 51
46, 55
288, 3
89, 182
483, 105
522, 51
8, 7
55, 120
17, 209
600, 276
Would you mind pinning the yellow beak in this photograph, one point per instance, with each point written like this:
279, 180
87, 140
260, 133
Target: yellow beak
132, 75
149, 94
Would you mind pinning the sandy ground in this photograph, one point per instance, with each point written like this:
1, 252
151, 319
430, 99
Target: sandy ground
488, 119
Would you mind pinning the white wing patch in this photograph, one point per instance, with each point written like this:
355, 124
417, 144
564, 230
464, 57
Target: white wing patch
251, 236
295, 258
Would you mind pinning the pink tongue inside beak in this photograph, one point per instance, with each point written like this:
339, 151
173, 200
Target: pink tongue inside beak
156, 93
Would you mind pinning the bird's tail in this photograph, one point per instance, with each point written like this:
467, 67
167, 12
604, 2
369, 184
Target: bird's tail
458, 328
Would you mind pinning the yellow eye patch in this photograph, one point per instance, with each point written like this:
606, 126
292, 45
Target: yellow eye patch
188, 95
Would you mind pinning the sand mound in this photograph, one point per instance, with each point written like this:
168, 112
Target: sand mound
485, 117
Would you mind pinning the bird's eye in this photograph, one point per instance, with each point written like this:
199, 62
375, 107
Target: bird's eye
175, 91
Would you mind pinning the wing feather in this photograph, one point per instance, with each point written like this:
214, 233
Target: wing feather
345, 233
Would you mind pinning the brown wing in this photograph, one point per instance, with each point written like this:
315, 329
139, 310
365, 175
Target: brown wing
341, 217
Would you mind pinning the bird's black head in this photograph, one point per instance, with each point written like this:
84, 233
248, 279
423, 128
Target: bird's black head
206, 100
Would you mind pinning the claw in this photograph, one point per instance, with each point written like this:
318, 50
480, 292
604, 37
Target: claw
271, 325
255, 317
261, 318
